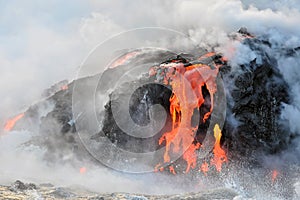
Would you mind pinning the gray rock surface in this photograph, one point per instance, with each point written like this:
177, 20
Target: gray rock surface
47, 193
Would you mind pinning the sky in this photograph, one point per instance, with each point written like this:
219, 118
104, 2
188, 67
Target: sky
44, 42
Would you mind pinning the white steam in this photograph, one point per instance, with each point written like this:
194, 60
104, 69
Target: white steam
34, 54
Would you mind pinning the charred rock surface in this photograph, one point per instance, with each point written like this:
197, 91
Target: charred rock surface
141, 100
255, 102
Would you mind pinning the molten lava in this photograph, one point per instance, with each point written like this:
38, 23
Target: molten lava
190, 156
274, 175
82, 170
64, 87
9, 125
219, 154
172, 170
123, 59
204, 168
187, 81
207, 55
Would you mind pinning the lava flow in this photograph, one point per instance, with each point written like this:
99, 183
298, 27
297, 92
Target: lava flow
9, 125
82, 170
64, 87
187, 81
274, 175
219, 153
124, 59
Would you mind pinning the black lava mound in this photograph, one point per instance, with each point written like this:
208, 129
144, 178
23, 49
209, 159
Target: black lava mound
254, 92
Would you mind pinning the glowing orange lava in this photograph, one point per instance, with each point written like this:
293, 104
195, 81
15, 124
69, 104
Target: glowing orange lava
274, 175
64, 87
9, 125
190, 156
219, 154
187, 82
82, 170
204, 168
172, 170
124, 59
207, 55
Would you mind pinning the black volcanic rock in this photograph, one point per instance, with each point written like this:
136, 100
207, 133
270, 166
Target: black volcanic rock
256, 98
141, 100
19, 186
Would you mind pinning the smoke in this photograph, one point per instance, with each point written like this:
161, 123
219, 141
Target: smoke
41, 49
38, 50
27, 164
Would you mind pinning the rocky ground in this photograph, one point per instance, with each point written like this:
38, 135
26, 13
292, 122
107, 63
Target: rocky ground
21, 191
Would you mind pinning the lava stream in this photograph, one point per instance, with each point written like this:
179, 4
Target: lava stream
9, 125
